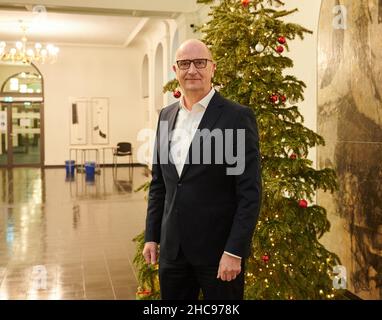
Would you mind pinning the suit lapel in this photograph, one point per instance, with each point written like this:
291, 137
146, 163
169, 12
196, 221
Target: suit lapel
171, 124
211, 115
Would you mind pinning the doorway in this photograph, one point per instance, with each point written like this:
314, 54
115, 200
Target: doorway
21, 120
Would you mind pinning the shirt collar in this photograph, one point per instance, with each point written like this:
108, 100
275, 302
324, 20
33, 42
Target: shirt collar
203, 102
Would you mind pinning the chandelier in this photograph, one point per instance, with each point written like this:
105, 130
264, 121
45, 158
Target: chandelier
22, 52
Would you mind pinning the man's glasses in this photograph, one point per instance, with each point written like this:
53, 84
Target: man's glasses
198, 63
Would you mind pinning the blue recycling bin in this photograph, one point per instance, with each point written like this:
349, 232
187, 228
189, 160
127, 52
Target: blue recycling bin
69, 167
90, 170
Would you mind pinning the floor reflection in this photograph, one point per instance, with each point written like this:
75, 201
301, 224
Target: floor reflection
69, 239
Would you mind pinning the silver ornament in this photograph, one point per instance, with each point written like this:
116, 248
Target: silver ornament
259, 47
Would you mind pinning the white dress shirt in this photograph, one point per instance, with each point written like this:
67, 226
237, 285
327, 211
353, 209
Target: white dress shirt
185, 127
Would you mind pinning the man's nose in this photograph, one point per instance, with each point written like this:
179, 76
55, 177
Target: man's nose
192, 69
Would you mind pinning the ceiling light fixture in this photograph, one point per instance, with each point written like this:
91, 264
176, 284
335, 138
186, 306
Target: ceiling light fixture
21, 52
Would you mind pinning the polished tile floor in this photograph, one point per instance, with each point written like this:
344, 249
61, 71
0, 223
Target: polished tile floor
69, 239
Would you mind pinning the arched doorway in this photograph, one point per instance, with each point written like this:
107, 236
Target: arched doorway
145, 77
21, 116
159, 83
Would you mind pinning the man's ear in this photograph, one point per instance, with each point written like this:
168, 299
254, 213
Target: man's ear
173, 68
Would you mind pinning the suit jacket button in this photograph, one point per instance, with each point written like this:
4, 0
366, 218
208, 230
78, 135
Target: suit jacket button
179, 184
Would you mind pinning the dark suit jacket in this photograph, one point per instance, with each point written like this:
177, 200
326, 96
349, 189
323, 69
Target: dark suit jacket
205, 211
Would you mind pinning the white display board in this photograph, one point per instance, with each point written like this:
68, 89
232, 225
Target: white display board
100, 120
78, 121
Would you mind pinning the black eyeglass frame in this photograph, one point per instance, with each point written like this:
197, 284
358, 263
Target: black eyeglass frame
192, 61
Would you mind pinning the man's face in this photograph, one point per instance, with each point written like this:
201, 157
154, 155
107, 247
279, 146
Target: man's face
193, 78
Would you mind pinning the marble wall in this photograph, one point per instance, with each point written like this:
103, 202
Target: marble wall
350, 119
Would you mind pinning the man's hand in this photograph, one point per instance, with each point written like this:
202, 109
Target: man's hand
229, 267
150, 252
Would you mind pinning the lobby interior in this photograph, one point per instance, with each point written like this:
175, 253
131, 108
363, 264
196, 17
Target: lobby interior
70, 237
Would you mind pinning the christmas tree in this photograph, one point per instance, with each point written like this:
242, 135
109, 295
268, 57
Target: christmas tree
247, 39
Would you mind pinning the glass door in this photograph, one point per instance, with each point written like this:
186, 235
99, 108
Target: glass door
25, 133
20, 134
21, 116
3, 135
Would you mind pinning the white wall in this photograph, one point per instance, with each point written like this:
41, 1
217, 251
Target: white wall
304, 55
91, 72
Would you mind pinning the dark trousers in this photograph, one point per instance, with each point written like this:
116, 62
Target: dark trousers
180, 280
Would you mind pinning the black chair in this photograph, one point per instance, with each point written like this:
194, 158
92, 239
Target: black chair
124, 149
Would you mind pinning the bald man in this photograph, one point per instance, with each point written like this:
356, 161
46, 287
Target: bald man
204, 197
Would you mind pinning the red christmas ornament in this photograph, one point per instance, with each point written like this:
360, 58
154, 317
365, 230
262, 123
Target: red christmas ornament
274, 98
177, 94
245, 3
281, 40
280, 49
265, 258
283, 98
293, 156
303, 204
144, 294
